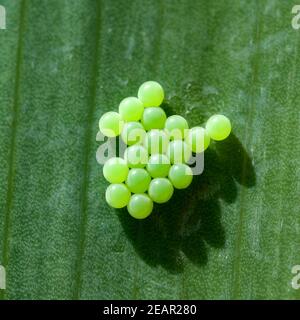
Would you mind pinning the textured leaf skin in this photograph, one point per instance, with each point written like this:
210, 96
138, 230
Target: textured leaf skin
234, 234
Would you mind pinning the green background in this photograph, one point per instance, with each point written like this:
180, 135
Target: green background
234, 234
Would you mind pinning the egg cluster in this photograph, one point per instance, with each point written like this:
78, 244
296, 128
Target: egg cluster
158, 150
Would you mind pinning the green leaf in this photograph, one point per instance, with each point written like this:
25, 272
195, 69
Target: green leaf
234, 234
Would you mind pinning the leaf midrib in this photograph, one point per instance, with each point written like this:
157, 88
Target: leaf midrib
247, 139
86, 150
12, 149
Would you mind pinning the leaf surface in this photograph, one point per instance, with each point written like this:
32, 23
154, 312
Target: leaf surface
234, 234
